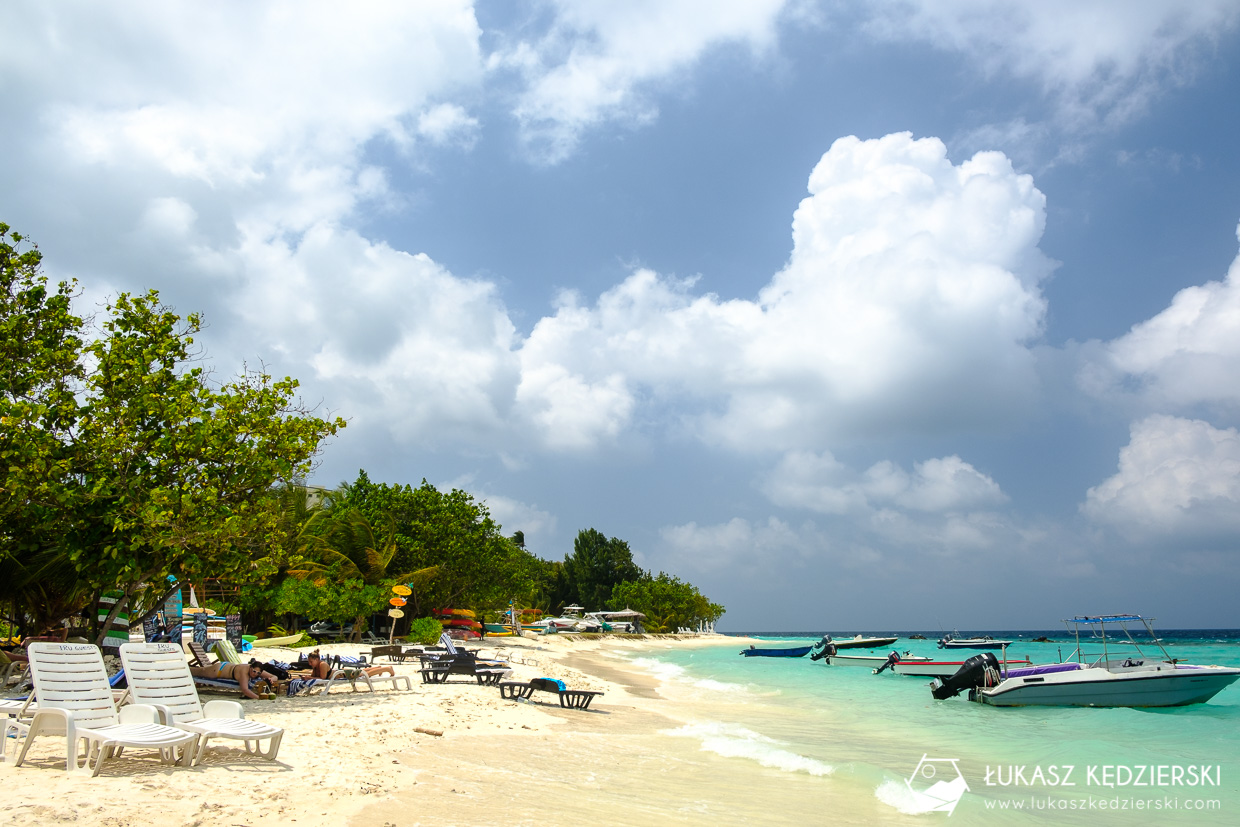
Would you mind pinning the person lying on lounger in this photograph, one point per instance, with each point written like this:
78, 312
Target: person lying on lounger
319, 668
243, 673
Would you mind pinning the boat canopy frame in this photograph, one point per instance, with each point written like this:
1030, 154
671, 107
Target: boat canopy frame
1096, 627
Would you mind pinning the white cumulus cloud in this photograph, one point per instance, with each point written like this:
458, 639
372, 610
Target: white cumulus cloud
1099, 62
1185, 355
592, 66
1176, 477
909, 302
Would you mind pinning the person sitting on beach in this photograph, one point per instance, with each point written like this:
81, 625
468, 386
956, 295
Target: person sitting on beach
320, 668
243, 673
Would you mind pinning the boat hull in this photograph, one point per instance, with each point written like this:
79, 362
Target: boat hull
863, 642
791, 652
1159, 686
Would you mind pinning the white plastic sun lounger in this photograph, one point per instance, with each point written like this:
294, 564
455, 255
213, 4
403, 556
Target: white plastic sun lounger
75, 700
16, 712
159, 676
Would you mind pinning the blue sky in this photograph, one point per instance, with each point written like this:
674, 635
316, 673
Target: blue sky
859, 316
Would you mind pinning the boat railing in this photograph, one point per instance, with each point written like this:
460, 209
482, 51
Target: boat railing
1119, 647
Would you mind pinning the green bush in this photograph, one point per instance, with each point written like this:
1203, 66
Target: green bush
425, 630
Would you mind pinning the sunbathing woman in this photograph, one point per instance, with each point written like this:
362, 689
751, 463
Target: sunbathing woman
319, 668
244, 674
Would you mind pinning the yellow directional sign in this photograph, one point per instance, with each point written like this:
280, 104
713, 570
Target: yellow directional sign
403, 591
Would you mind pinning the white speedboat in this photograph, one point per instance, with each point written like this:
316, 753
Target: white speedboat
1110, 670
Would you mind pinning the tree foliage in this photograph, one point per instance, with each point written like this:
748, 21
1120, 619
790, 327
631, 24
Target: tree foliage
41, 370
667, 601
597, 565
475, 564
330, 596
120, 451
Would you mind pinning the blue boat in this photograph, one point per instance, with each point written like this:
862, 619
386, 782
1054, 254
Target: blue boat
788, 652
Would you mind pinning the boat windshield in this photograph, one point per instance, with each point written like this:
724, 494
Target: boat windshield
1103, 638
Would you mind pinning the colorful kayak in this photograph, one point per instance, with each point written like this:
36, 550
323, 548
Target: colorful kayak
285, 640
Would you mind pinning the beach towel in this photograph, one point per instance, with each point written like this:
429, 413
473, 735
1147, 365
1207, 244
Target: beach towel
298, 685
118, 631
546, 684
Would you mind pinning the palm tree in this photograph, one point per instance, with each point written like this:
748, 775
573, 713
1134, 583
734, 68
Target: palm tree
346, 545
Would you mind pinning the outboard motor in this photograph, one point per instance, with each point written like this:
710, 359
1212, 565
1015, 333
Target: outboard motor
979, 670
822, 649
892, 660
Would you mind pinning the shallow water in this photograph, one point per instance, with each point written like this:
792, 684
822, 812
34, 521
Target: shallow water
852, 733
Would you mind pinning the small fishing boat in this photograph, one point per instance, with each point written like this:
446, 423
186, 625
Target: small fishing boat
784, 652
955, 641
828, 646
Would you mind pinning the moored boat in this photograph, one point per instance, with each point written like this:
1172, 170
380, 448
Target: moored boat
955, 641
781, 652
828, 646
1115, 672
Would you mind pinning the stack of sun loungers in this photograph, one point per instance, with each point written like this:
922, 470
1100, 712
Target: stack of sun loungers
437, 666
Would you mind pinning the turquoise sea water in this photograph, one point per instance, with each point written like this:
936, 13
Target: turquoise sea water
862, 734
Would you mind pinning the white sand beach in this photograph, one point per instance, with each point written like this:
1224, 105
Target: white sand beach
356, 758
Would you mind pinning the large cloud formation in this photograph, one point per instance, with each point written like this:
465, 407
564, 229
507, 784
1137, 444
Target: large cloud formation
1188, 354
1177, 478
909, 300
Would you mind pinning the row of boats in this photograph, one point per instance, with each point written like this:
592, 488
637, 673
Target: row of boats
1108, 669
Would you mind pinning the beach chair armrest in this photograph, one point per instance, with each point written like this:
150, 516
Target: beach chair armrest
142, 714
163, 715
52, 719
223, 709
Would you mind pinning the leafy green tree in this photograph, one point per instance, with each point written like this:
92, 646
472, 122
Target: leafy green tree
549, 588
329, 596
345, 548
477, 567
668, 602
597, 565
119, 450
41, 372
425, 630
173, 470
